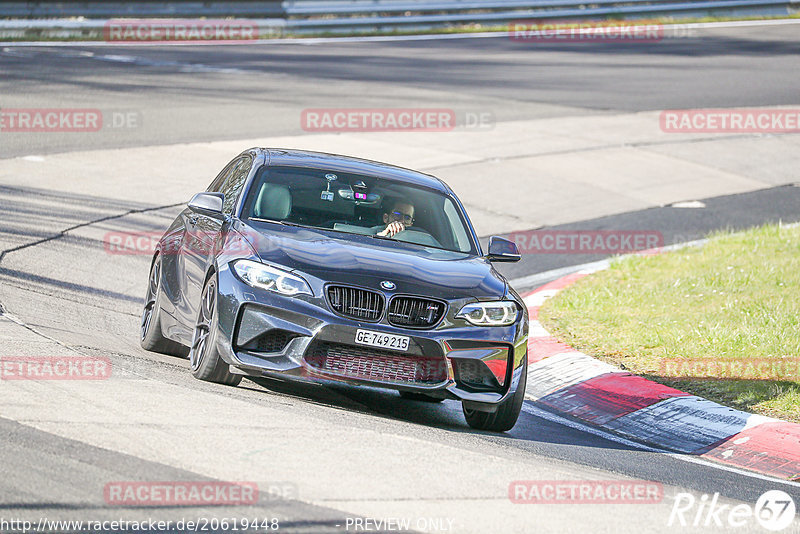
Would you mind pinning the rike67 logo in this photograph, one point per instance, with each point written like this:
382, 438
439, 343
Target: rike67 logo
774, 511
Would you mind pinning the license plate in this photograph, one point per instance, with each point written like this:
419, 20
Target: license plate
384, 341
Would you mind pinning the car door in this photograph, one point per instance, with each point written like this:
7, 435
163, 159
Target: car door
203, 234
185, 274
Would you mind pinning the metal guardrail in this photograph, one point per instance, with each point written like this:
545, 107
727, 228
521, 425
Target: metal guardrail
48, 9
545, 9
275, 18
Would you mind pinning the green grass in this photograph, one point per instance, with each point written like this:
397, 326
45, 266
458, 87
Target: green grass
735, 300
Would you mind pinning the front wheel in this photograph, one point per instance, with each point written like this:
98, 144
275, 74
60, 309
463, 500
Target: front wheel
204, 359
507, 413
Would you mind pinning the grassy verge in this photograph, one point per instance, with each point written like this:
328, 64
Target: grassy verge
721, 321
90, 36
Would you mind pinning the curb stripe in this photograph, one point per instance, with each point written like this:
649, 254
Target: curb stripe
686, 424
563, 370
771, 448
540, 348
608, 397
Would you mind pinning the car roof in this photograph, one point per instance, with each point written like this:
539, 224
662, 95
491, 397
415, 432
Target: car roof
336, 162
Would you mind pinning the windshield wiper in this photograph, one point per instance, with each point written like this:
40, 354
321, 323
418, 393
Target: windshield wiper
285, 223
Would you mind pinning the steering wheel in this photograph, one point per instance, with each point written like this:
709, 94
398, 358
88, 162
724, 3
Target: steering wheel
418, 237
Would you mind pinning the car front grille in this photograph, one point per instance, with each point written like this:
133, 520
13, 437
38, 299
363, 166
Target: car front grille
356, 303
375, 364
415, 312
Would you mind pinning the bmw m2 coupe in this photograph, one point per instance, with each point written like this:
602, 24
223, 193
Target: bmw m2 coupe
317, 267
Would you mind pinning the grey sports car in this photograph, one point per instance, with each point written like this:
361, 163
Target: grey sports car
311, 266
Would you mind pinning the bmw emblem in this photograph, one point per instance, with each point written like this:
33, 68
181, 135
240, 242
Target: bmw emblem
387, 285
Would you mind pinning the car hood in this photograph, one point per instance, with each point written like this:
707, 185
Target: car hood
366, 261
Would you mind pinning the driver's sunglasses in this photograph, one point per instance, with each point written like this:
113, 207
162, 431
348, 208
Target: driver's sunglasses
405, 217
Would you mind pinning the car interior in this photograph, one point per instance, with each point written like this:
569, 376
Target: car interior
349, 203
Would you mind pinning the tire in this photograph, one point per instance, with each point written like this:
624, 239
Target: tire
150, 335
507, 413
204, 359
408, 395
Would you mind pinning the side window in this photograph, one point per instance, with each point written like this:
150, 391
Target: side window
233, 185
222, 176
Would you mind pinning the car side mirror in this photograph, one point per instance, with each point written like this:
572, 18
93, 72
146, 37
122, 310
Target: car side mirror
207, 204
502, 250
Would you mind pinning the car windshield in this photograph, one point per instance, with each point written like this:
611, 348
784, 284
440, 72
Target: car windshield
357, 204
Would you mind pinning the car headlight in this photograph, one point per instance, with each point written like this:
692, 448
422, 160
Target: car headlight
499, 313
269, 278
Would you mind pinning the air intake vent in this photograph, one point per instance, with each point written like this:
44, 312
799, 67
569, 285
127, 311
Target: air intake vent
274, 340
375, 364
357, 303
415, 312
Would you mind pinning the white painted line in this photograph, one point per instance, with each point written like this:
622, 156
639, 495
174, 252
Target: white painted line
690, 204
389, 38
535, 329
547, 276
582, 427
595, 266
538, 298
185, 67
741, 23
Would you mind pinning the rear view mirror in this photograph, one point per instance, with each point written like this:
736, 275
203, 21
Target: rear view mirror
207, 203
502, 250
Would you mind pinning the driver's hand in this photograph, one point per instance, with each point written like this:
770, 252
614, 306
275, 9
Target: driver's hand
392, 229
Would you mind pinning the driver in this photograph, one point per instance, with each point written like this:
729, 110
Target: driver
398, 218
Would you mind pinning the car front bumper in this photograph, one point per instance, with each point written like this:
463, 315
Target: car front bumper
266, 334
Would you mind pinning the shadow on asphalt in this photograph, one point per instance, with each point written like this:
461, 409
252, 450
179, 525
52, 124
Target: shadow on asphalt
445, 415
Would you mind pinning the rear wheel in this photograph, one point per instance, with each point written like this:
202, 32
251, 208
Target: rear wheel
205, 361
507, 413
408, 395
150, 335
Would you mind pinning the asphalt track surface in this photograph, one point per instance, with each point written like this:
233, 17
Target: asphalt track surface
191, 93
57, 474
